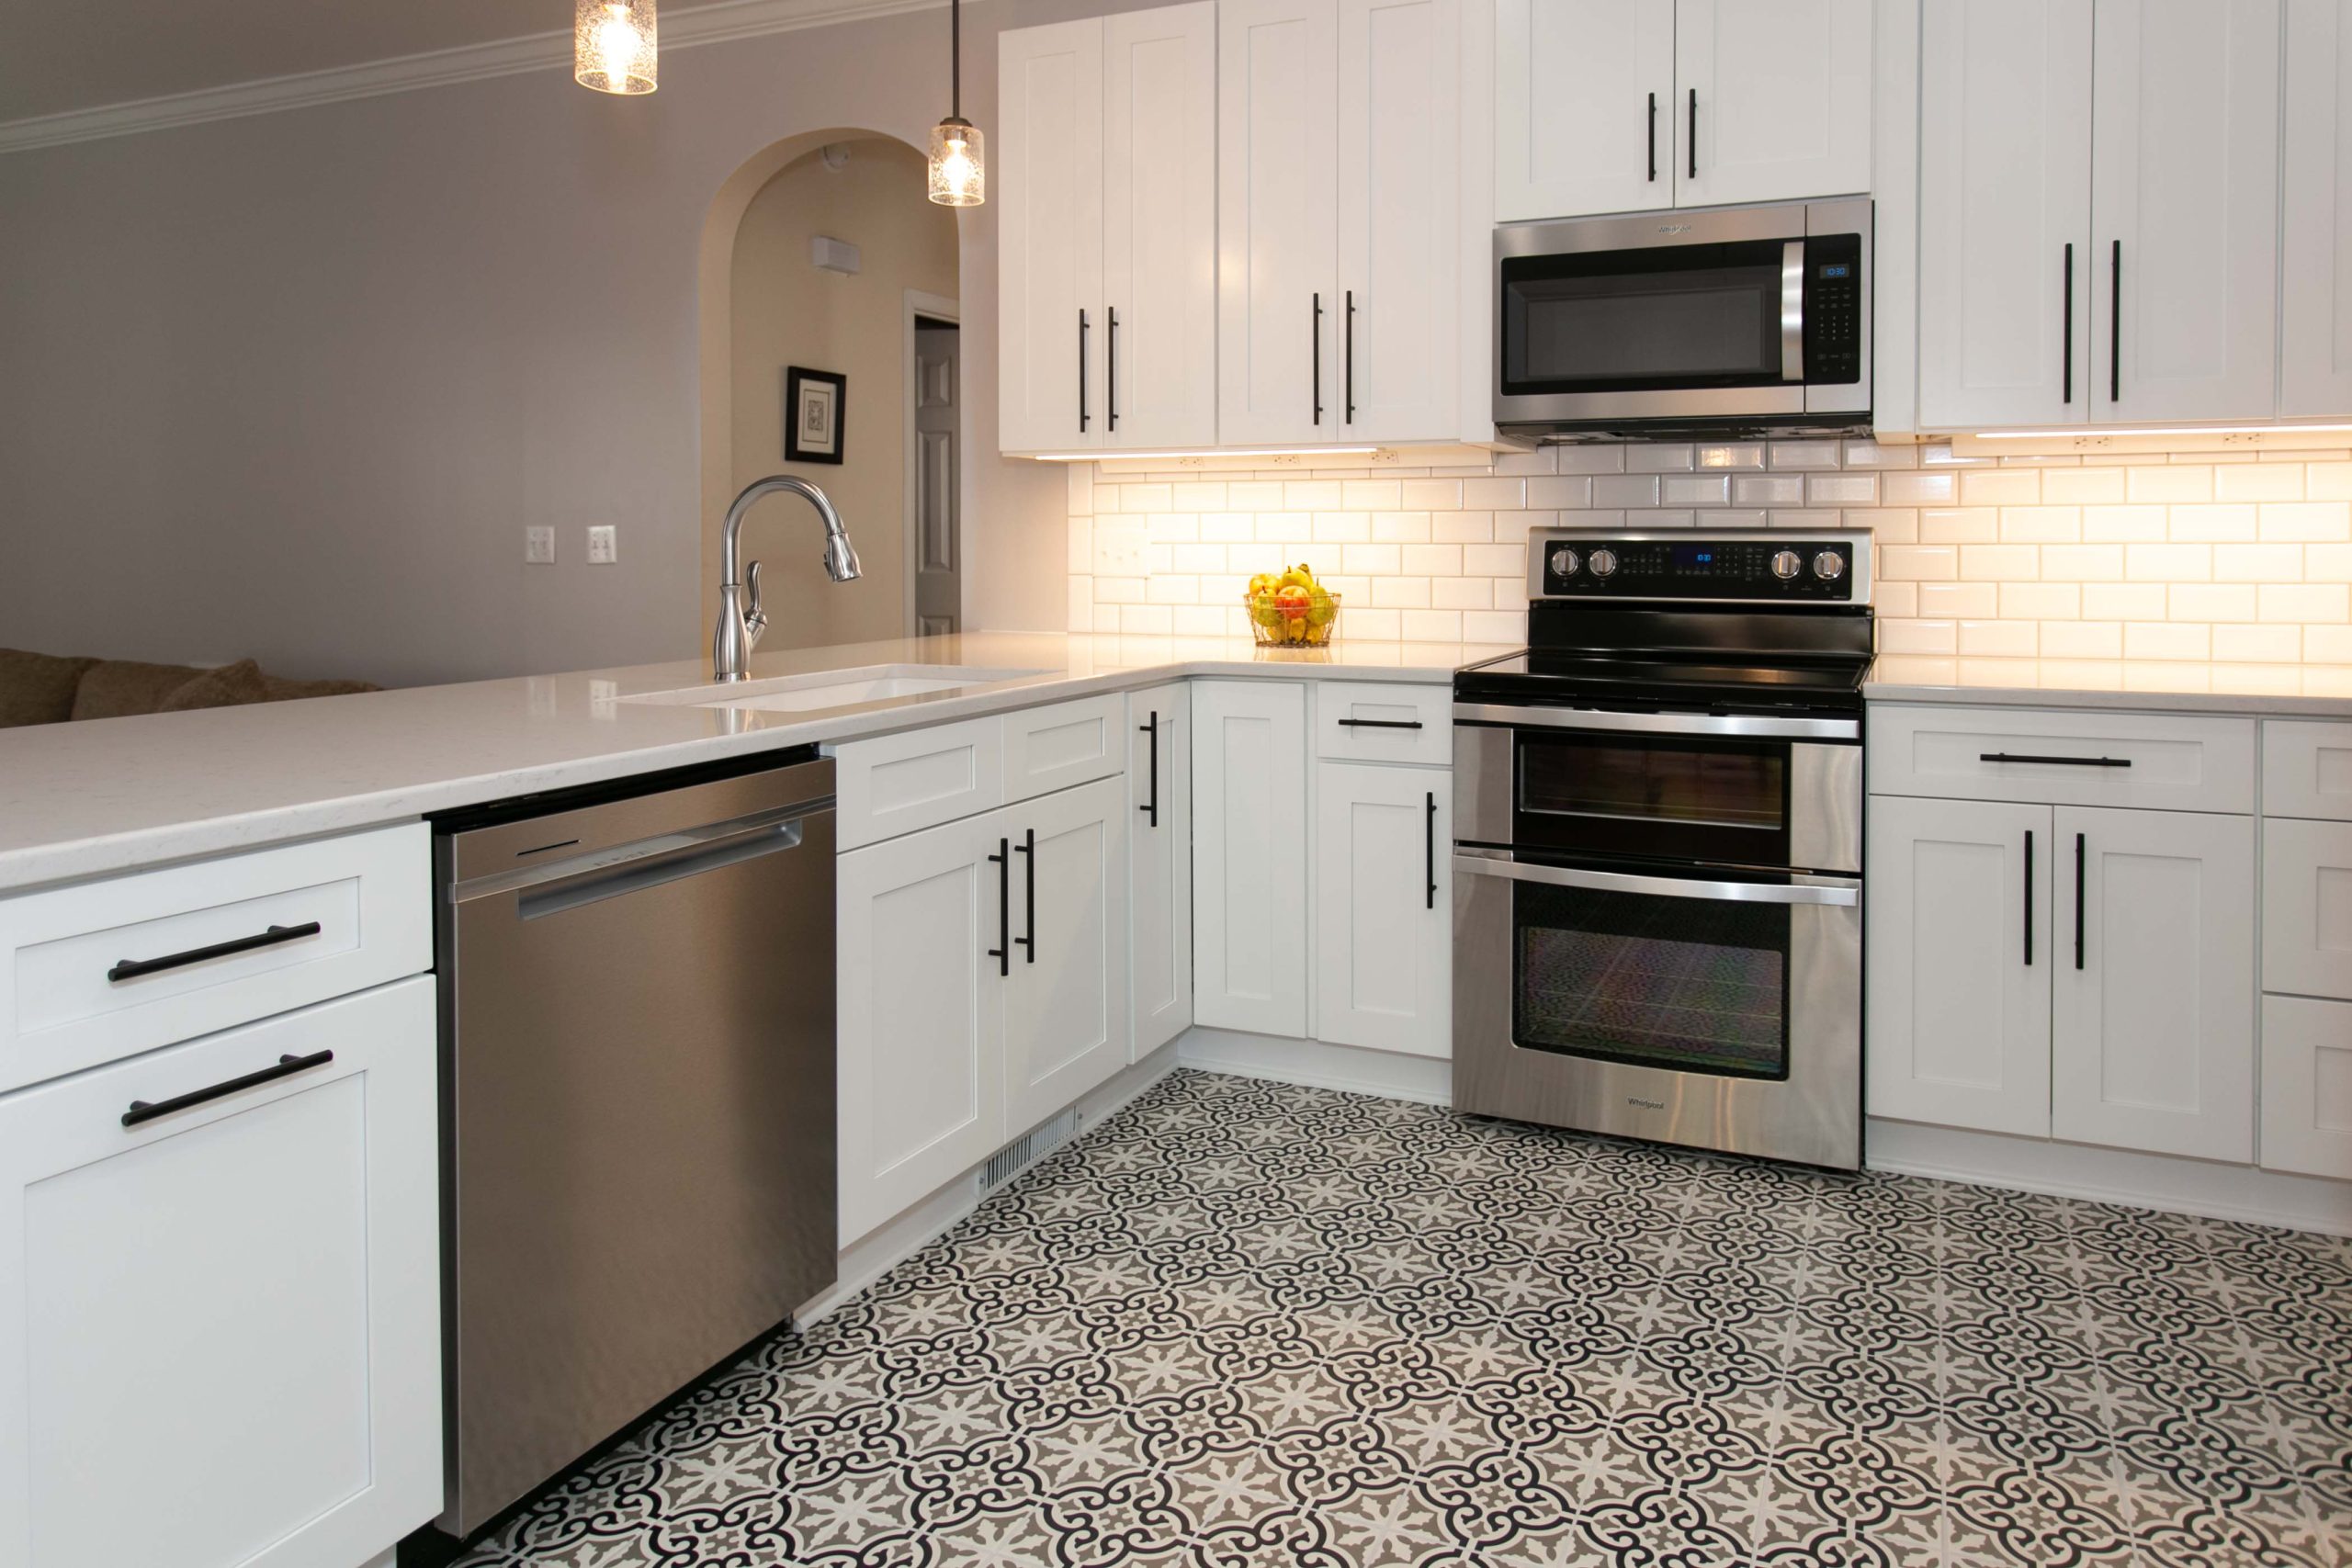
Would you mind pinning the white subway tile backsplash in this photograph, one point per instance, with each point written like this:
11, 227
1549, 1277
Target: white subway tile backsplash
2000, 487
1918, 636
1870, 454
1342, 529
1559, 490
1735, 455
1373, 560
1400, 527
1432, 626
1768, 490
1655, 457
2125, 524
1494, 626
2167, 639
2040, 600
1695, 490
2170, 483
2258, 481
1602, 459
1960, 524
2083, 487
1804, 453
1450, 592
1401, 593
2081, 639
1731, 517
1311, 495
2259, 644
1625, 490
1430, 495
2307, 521
1372, 495
2168, 563
2214, 522
1926, 488
2040, 525
1462, 527
1955, 601
1433, 560
1495, 561
2000, 563
2210, 601
1197, 495
1841, 490
1999, 639
2306, 602
1495, 494
2125, 601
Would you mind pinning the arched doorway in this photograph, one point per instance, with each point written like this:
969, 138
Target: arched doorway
822, 259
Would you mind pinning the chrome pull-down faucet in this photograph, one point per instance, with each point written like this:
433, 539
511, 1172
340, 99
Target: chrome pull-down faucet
741, 618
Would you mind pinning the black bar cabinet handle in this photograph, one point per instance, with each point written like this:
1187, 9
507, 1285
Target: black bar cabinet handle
1380, 723
1429, 848
132, 968
1027, 849
2055, 761
1003, 861
1081, 368
2068, 356
1653, 138
1111, 373
1315, 359
2115, 323
1694, 133
1348, 361
144, 1110
1151, 807
2029, 898
2078, 900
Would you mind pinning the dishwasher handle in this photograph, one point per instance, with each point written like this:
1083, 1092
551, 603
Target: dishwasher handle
659, 865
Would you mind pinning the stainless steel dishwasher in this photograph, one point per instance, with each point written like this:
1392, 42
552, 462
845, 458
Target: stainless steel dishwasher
636, 1036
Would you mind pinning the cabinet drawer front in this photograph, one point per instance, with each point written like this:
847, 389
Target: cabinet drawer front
898, 783
2307, 1086
1069, 743
102, 970
2307, 908
236, 1303
2064, 759
1364, 722
2307, 770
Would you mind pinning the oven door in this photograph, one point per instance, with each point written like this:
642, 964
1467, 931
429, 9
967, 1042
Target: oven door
1722, 790
1722, 1013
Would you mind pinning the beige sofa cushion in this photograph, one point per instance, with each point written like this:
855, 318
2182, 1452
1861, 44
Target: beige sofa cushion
231, 685
113, 688
38, 688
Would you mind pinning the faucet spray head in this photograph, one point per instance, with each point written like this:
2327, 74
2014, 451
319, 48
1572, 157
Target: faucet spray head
841, 558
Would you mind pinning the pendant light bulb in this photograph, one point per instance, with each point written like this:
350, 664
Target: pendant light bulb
612, 45
958, 167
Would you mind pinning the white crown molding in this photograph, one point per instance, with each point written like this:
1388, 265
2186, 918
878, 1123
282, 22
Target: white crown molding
716, 23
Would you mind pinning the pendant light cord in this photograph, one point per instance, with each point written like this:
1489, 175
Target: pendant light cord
956, 58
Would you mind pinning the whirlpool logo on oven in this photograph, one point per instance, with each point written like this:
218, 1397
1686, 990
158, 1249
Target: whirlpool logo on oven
1636, 1100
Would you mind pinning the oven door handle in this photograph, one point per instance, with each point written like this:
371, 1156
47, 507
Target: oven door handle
1752, 727
1842, 892
1793, 310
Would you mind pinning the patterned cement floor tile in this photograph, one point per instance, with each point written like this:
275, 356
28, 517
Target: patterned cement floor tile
1245, 1324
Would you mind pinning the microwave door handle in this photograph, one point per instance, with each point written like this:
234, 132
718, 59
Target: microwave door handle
1838, 892
1793, 310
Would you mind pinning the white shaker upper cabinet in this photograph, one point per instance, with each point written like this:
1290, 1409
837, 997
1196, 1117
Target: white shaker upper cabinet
1399, 243
1773, 100
2315, 312
1584, 108
1159, 227
1278, 309
2005, 212
1048, 194
2185, 210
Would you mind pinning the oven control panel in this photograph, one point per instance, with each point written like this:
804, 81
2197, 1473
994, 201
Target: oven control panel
1748, 564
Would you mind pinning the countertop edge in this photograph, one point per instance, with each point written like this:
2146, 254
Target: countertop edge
2243, 705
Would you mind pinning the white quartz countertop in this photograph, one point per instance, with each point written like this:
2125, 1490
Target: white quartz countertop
104, 795
2322, 690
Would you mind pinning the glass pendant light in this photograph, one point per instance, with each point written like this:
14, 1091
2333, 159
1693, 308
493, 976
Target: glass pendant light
958, 174
612, 45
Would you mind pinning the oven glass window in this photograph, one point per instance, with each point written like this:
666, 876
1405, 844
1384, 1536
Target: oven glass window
1696, 985
1671, 316
1656, 797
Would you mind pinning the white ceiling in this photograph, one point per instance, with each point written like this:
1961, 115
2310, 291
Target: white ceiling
78, 54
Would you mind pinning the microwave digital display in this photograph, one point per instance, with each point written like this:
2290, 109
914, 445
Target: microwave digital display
1842, 269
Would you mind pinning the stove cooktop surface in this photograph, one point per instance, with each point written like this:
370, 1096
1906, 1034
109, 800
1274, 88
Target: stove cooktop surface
1675, 680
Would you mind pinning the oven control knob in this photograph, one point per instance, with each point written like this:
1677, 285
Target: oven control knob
1829, 566
1787, 564
1603, 562
1563, 562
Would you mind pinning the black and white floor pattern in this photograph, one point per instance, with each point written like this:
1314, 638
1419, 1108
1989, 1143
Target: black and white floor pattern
1247, 1324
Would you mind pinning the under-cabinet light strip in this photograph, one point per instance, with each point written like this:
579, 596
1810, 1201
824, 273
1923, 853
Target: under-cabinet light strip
1122, 455
2093, 433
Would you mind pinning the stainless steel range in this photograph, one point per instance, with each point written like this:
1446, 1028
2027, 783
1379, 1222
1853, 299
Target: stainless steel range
1657, 887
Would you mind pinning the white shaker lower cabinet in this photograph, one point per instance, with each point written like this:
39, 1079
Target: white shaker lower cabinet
2307, 1086
1250, 862
1958, 959
219, 1325
1066, 1024
2155, 999
1159, 863
921, 1015
1384, 890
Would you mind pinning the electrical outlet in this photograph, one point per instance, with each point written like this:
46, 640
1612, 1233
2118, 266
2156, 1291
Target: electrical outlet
539, 547
604, 546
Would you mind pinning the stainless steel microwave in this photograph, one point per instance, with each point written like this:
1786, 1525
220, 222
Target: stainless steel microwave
1739, 320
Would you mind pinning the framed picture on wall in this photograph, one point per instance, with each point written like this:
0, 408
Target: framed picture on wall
814, 401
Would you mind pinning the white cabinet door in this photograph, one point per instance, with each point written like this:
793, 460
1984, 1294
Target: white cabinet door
1277, 275
1584, 108
2153, 1047
2185, 209
221, 1328
1250, 862
1773, 100
1400, 233
1048, 196
1159, 861
2307, 908
2307, 1086
2005, 212
1066, 1001
2315, 269
1159, 227
1959, 963
921, 925
1383, 902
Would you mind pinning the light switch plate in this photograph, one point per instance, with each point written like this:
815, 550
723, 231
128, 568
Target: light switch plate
539, 547
604, 546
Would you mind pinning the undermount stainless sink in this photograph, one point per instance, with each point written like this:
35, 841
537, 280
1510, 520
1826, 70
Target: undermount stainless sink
833, 688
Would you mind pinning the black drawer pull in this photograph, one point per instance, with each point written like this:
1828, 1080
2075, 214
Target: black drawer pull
2029, 898
2055, 761
1381, 723
2078, 900
1003, 950
1151, 808
1429, 849
143, 1111
132, 968
1028, 850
